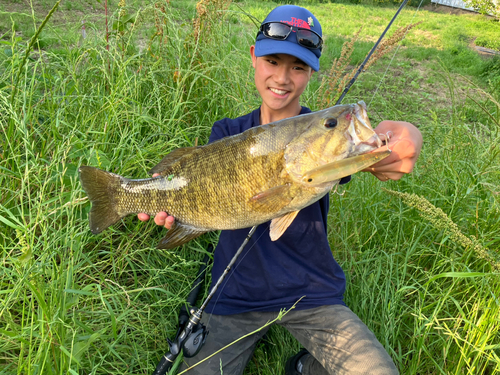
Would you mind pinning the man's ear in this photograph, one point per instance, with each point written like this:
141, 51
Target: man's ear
252, 53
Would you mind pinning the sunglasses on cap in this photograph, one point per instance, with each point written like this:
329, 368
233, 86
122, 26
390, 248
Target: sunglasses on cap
280, 31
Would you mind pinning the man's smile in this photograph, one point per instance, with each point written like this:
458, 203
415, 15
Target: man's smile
278, 91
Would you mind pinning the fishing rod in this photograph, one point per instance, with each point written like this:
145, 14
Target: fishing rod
191, 336
362, 66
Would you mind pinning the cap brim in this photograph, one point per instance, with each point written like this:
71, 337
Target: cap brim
267, 46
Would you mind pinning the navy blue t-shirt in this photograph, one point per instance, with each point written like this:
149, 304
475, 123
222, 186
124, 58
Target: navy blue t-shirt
272, 275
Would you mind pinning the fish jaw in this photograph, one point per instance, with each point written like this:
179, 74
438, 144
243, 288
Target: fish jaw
360, 131
342, 168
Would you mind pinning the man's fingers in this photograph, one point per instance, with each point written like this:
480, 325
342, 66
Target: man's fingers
386, 176
169, 222
401, 166
160, 218
405, 143
164, 219
143, 217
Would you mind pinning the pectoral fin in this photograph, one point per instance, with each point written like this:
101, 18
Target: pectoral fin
342, 168
171, 158
271, 200
279, 225
178, 235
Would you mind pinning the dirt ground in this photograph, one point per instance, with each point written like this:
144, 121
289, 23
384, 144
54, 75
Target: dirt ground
450, 10
437, 8
66, 13
446, 9
42, 7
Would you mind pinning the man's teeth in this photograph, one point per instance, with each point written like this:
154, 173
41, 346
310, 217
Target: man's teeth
277, 91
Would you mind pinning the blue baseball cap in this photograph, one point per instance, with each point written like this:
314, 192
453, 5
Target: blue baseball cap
295, 16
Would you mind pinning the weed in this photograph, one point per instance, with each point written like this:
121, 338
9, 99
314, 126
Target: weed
71, 302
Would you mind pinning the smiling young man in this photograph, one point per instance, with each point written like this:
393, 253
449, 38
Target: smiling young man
280, 80
272, 276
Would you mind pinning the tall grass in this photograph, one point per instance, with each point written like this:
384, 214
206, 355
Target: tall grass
423, 262
74, 303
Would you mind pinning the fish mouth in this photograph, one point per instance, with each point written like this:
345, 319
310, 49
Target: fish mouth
360, 125
374, 141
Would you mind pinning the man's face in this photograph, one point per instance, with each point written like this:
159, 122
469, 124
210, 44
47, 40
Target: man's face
280, 80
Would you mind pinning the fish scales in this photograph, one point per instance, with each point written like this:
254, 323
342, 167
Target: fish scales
234, 174
238, 181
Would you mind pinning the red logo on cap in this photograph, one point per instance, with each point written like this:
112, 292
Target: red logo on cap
297, 22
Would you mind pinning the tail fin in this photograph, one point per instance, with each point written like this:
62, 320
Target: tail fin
101, 188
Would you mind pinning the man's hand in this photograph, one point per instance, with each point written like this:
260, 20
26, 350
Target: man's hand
161, 218
405, 141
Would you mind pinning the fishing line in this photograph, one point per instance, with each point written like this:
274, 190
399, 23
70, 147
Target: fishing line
388, 137
362, 66
394, 55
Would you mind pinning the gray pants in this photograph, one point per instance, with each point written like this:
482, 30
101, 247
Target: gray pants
339, 341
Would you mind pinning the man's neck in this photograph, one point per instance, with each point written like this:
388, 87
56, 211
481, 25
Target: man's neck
268, 115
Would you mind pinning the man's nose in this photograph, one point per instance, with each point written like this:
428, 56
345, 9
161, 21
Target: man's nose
282, 75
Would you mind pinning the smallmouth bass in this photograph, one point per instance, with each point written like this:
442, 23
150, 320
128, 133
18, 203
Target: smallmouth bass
268, 172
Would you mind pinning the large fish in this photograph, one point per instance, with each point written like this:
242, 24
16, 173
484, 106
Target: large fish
269, 172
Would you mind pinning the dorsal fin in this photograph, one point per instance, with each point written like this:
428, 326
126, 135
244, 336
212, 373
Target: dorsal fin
279, 225
171, 158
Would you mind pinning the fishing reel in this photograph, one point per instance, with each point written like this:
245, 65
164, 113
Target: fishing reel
190, 339
195, 341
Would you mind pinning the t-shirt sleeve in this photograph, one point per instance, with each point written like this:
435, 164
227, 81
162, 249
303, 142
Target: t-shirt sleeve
345, 180
219, 130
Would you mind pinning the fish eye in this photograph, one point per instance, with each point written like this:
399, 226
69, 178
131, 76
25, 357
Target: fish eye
331, 123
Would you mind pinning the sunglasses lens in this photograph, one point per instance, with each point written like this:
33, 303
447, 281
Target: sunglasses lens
276, 30
280, 31
308, 39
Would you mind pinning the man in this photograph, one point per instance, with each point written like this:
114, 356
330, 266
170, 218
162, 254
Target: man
275, 275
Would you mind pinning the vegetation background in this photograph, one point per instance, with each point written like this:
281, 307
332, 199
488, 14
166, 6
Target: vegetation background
421, 254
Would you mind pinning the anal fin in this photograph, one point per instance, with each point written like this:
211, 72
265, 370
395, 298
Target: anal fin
280, 224
178, 235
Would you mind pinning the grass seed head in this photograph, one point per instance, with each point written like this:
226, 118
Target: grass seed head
123, 11
439, 220
338, 77
207, 12
332, 83
388, 44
